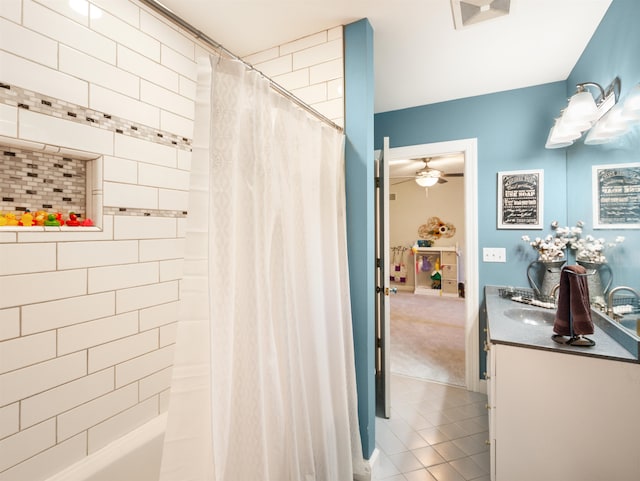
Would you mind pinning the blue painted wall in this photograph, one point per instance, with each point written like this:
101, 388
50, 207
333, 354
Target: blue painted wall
359, 98
614, 50
511, 128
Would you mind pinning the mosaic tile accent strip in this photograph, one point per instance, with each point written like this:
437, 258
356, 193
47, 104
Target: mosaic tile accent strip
41, 181
42, 104
144, 212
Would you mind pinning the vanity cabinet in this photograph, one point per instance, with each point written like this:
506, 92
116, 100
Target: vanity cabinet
447, 258
562, 417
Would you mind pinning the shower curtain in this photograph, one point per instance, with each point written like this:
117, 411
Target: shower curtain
263, 383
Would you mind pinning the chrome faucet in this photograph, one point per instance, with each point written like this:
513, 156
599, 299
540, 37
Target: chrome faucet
613, 291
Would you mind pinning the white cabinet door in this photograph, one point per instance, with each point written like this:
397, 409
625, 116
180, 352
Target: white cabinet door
562, 417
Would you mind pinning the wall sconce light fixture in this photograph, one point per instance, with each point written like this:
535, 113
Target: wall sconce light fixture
582, 112
604, 117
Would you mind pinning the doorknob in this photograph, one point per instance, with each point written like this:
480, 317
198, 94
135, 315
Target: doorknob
394, 290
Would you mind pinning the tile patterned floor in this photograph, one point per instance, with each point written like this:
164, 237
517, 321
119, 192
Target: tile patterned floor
436, 432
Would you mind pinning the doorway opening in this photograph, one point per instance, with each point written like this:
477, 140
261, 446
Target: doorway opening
427, 242
440, 331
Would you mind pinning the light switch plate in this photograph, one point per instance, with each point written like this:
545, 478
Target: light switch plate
494, 254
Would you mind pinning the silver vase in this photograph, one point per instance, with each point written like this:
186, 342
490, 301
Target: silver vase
544, 276
599, 280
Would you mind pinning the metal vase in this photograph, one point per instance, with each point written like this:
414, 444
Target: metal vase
544, 276
599, 280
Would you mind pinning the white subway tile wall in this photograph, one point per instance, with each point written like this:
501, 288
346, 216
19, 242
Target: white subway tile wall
88, 318
311, 68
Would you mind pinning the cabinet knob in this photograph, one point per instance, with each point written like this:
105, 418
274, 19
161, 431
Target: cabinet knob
486, 376
487, 406
487, 442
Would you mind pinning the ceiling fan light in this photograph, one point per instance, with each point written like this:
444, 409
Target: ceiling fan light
426, 181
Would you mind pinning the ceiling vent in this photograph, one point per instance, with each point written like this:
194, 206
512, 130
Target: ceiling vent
469, 12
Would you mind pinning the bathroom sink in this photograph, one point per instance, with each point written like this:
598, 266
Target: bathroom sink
533, 317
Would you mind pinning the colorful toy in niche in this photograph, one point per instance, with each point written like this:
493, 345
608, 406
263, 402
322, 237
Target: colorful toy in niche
11, 219
73, 220
43, 218
52, 221
40, 217
26, 219
436, 229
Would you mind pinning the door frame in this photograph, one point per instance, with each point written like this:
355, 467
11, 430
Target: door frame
469, 147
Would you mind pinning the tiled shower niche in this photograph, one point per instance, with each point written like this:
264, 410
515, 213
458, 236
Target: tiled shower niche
47, 180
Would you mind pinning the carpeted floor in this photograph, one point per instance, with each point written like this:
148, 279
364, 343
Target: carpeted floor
427, 337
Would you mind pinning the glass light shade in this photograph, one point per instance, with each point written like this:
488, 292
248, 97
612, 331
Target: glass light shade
426, 181
614, 122
557, 144
561, 135
581, 111
597, 136
631, 108
608, 128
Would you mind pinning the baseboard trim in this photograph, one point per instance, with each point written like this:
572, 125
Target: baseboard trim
369, 467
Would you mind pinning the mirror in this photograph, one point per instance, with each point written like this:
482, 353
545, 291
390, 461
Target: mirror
610, 54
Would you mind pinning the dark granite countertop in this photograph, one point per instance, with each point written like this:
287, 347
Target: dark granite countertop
612, 342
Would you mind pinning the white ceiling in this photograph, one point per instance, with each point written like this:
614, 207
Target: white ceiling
419, 57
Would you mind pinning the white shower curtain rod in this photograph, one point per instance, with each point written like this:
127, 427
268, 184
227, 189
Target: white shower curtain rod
158, 7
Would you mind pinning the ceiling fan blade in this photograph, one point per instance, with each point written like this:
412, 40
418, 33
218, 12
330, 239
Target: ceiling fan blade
442, 181
454, 174
401, 181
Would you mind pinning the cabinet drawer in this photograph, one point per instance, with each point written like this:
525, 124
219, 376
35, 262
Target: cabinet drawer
449, 286
449, 258
450, 271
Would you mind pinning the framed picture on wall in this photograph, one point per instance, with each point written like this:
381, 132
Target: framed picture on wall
616, 196
520, 199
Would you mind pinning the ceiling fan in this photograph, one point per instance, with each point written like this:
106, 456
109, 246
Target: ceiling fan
427, 176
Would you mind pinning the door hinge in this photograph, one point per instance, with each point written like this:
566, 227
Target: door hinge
378, 263
377, 182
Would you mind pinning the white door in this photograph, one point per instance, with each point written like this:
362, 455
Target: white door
383, 311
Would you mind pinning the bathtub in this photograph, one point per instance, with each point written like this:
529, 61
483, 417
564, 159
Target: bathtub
134, 457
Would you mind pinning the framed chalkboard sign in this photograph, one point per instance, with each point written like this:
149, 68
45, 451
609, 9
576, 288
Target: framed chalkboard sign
616, 196
520, 199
